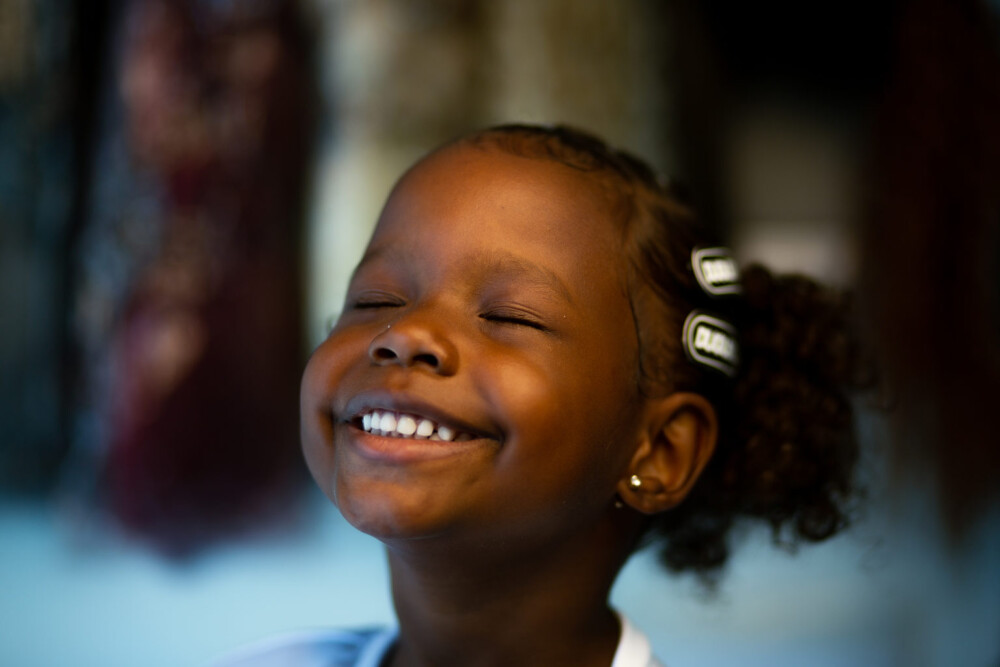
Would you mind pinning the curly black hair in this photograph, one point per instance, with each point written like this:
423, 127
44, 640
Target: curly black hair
787, 452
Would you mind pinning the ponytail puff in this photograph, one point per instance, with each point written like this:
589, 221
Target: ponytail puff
789, 454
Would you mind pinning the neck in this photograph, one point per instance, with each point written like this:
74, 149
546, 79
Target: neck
479, 605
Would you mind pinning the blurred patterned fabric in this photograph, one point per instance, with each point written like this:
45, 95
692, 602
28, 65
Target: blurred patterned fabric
188, 307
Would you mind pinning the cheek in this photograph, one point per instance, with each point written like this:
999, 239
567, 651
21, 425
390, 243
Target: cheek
321, 374
570, 426
316, 421
325, 370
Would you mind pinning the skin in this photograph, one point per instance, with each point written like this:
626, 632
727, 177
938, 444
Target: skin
492, 298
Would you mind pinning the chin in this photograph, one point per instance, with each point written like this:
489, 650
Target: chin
387, 513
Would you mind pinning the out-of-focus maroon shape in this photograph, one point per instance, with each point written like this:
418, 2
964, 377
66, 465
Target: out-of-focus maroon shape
207, 354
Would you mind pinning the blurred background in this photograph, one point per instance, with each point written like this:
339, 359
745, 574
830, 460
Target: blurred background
185, 186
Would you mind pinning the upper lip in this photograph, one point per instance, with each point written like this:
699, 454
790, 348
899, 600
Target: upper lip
364, 402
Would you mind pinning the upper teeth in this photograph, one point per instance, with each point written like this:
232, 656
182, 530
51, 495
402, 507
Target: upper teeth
401, 425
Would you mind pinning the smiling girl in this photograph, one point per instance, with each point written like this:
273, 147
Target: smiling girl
542, 364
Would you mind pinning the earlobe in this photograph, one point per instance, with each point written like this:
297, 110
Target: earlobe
678, 440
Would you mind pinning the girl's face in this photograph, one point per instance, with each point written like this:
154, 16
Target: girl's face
491, 301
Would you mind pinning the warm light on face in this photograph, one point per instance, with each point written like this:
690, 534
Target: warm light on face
490, 303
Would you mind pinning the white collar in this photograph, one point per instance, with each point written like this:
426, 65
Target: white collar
633, 647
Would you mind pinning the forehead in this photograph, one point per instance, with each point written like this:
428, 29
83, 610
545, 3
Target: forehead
485, 200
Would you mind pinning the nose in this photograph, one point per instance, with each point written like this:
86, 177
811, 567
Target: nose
414, 342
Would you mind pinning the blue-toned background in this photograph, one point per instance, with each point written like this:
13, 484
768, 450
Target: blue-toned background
882, 597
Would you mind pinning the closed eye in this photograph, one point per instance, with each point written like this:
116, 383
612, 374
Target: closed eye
376, 304
375, 301
514, 318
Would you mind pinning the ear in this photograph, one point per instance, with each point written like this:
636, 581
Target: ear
679, 436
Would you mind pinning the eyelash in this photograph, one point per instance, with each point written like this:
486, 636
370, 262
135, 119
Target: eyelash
513, 318
374, 302
508, 317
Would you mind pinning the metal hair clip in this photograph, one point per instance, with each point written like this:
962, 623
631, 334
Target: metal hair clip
716, 270
712, 342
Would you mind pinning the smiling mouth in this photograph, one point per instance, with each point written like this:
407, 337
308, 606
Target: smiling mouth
392, 424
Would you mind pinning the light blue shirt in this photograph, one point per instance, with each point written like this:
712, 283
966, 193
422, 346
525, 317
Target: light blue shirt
367, 648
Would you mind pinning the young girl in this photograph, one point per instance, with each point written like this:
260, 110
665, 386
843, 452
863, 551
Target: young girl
542, 364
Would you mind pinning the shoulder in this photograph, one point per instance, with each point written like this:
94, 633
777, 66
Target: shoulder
328, 648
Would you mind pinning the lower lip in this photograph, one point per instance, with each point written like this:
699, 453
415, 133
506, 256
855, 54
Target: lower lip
406, 450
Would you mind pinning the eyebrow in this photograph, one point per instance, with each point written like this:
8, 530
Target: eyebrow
503, 263
492, 263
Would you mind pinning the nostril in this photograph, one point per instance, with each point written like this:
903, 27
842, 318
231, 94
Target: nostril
412, 346
428, 359
383, 354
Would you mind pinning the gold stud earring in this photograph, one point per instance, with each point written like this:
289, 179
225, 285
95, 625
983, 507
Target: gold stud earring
635, 482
